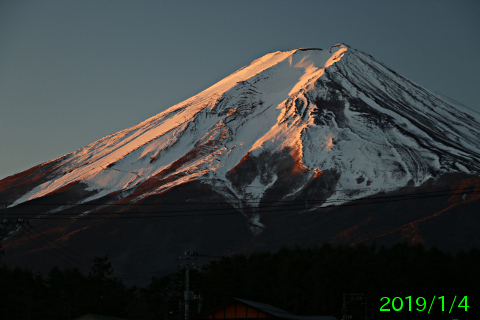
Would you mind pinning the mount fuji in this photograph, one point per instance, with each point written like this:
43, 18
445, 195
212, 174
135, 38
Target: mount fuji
298, 147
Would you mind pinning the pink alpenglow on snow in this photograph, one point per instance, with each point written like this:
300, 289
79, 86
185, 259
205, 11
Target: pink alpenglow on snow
336, 110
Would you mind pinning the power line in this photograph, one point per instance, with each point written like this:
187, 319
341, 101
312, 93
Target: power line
50, 252
448, 191
211, 212
78, 262
63, 257
55, 252
290, 202
214, 211
48, 242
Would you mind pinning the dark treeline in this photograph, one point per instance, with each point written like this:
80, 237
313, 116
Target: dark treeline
302, 281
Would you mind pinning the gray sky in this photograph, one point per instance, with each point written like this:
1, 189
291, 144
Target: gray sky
72, 72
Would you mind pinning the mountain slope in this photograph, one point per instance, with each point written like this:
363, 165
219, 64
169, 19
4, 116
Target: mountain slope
336, 108
318, 127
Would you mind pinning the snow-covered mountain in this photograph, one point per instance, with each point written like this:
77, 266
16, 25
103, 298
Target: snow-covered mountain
323, 126
337, 109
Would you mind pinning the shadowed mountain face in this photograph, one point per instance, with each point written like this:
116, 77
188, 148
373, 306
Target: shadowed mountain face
299, 147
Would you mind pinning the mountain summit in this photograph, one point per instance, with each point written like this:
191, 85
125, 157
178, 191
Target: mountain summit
318, 127
330, 110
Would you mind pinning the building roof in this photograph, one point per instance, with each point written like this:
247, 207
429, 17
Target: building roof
279, 313
98, 317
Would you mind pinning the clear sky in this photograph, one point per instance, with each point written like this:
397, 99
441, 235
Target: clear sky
72, 72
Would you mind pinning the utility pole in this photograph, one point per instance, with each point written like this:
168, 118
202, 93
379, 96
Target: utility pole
199, 298
187, 296
352, 297
368, 311
188, 259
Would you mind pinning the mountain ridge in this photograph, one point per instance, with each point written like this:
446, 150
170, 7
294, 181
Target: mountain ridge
315, 127
148, 130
